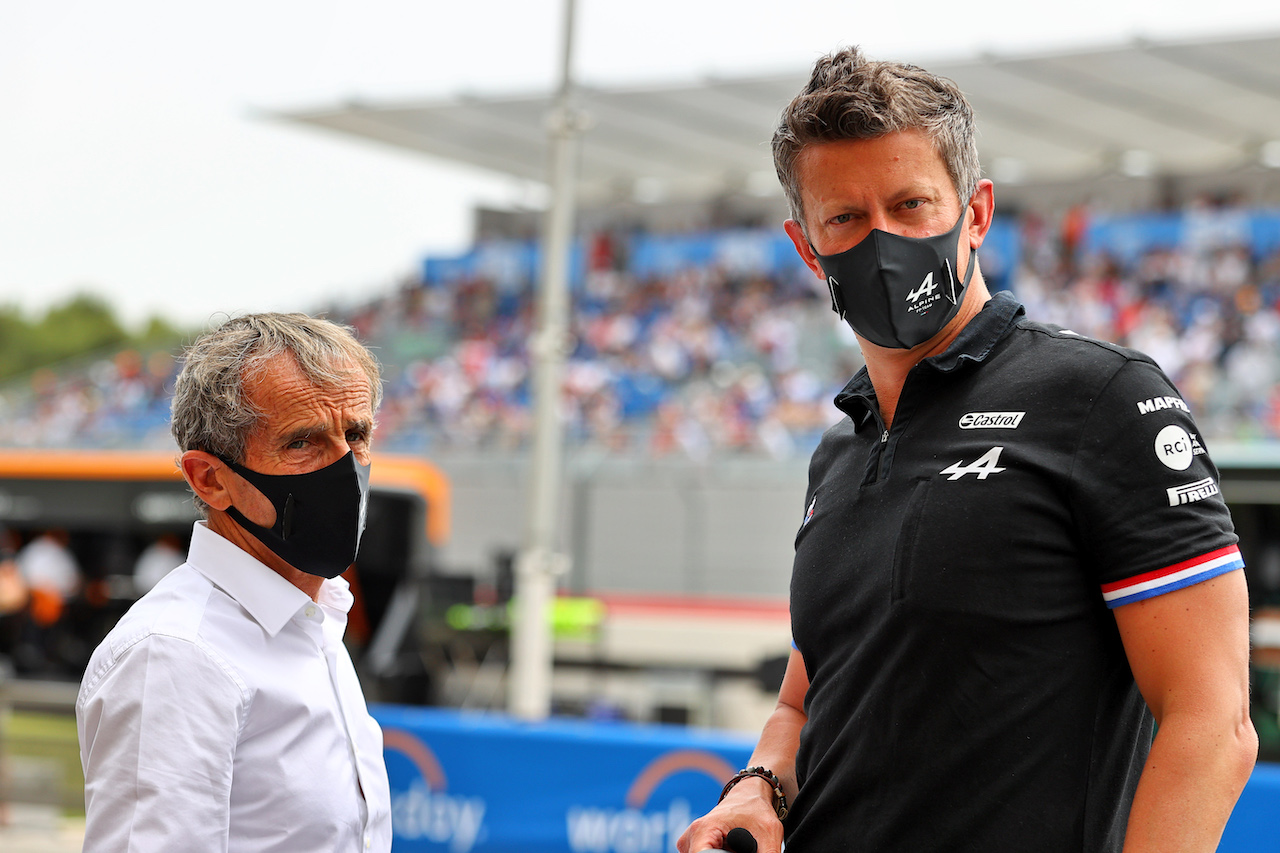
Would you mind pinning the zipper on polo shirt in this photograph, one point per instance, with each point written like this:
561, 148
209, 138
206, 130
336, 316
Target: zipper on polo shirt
884, 445
901, 416
875, 455
880, 454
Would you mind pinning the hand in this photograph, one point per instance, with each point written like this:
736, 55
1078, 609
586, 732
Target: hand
737, 841
745, 806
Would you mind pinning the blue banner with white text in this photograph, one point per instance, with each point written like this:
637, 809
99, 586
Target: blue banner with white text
483, 783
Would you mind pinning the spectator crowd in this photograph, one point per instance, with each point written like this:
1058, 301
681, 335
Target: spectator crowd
710, 360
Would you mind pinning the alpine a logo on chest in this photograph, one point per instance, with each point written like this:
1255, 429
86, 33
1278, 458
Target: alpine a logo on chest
991, 420
983, 467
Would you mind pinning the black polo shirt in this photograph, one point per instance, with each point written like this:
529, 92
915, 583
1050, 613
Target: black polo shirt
968, 687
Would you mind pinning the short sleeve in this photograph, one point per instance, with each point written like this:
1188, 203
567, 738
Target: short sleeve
1145, 492
158, 732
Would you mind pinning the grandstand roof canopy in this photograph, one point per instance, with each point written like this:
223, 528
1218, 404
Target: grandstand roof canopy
1139, 109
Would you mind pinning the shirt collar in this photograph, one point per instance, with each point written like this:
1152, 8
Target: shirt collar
981, 334
974, 343
267, 597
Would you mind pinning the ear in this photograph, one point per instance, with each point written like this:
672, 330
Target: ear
206, 474
983, 205
803, 248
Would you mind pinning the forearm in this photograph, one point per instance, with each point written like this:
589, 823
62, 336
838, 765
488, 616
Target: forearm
1193, 776
749, 804
1189, 652
777, 747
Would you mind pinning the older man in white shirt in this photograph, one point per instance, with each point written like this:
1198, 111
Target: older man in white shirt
223, 713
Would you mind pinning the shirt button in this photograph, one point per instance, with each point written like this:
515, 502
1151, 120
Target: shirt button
310, 611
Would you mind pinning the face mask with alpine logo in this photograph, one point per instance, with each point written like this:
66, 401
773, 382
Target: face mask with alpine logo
897, 292
319, 515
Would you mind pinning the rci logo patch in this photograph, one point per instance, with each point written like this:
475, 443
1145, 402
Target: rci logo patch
426, 811
1174, 447
639, 827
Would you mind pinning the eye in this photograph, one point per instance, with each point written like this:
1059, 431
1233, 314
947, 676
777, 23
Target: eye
913, 203
842, 218
298, 444
355, 436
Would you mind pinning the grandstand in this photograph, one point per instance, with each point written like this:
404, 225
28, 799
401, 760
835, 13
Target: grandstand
1138, 200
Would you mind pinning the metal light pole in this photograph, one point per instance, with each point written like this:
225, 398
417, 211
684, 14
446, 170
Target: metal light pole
540, 562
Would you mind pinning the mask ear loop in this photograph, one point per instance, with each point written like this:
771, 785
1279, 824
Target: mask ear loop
837, 300
973, 263
973, 256
833, 286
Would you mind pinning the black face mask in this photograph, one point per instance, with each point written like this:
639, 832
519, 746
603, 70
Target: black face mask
897, 291
319, 515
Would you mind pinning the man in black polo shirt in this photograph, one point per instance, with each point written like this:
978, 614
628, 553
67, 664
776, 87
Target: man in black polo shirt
1013, 559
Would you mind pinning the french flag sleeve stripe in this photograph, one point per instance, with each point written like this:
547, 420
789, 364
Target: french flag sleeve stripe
1177, 576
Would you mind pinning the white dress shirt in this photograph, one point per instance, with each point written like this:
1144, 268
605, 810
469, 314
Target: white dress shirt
223, 713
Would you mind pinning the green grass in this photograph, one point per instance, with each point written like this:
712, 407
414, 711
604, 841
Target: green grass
42, 727
47, 742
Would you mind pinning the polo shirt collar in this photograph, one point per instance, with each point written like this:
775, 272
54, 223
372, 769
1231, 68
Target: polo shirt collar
981, 334
974, 343
267, 597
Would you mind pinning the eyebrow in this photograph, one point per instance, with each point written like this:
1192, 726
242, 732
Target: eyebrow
299, 433
914, 189
362, 424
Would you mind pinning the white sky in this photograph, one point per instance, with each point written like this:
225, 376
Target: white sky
134, 161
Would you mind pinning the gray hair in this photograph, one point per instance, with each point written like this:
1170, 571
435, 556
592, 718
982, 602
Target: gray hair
210, 409
851, 97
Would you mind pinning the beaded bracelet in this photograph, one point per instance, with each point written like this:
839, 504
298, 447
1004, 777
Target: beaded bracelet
779, 797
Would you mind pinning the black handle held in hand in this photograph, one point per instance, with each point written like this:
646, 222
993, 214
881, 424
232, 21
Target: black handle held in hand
740, 840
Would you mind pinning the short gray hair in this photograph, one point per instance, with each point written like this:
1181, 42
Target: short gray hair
851, 97
210, 409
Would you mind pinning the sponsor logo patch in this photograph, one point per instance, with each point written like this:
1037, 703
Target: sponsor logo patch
983, 467
1192, 492
991, 420
1175, 448
1158, 404
808, 515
